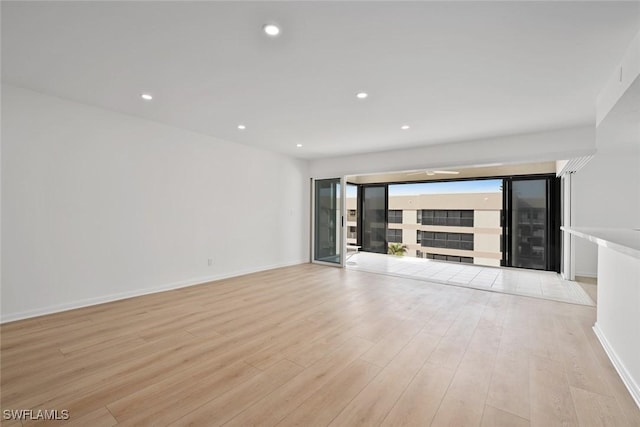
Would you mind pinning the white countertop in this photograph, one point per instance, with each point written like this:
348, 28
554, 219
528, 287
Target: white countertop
623, 240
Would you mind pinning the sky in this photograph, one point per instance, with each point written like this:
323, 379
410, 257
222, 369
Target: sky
480, 186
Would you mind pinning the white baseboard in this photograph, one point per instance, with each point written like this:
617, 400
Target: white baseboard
590, 274
138, 292
626, 377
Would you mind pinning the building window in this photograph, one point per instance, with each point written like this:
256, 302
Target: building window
419, 216
394, 236
450, 258
395, 216
418, 236
419, 254
457, 218
352, 232
434, 239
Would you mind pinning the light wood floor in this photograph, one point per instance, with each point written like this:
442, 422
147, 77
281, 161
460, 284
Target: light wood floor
314, 346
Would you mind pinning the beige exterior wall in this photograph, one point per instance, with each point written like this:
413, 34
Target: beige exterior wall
352, 219
409, 216
486, 242
486, 219
487, 261
409, 236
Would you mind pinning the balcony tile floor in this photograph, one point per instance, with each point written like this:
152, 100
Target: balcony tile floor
531, 283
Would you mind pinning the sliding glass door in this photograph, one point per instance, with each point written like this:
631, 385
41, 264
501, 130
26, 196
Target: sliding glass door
373, 205
532, 227
328, 221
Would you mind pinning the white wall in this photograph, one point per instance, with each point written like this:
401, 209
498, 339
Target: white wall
98, 205
625, 73
534, 147
606, 193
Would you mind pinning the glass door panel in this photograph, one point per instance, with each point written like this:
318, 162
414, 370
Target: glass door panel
327, 236
529, 223
374, 219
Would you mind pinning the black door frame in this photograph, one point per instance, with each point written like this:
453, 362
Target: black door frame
553, 186
553, 247
360, 211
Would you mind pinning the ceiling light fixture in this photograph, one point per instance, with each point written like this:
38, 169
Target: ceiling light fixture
405, 127
271, 30
146, 97
298, 145
242, 127
361, 95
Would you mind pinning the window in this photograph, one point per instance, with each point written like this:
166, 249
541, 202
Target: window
458, 218
435, 239
419, 254
419, 216
451, 258
418, 236
395, 216
352, 232
394, 236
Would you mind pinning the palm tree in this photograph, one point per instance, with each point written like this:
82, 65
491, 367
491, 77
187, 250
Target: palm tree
397, 249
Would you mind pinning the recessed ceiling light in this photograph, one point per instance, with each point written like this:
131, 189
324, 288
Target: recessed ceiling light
361, 95
405, 127
146, 97
298, 145
271, 30
242, 127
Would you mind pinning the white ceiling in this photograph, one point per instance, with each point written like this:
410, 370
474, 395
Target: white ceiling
451, 70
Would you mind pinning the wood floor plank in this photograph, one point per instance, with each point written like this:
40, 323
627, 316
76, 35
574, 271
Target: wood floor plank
277, 405
551, 401
315, 350
453, 345
80, 377
453, 411
420, 401
580, 363
375, 401
473, 375
220, 410
509, 388
171, 399
628, 406
597, 410
323, 406
386, 348
101, 417
10, 422
494, 417
311, 345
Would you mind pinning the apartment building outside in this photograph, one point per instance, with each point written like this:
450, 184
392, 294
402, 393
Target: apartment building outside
458, 227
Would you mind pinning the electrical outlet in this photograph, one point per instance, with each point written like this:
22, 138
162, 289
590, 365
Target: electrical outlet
210, 262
